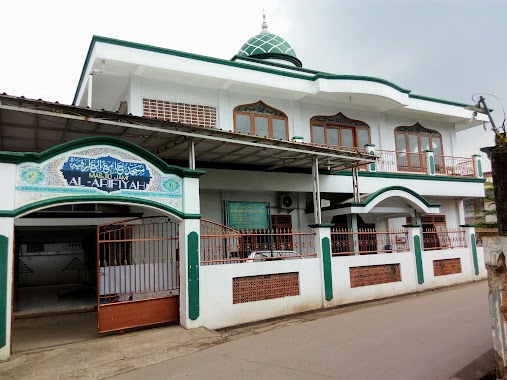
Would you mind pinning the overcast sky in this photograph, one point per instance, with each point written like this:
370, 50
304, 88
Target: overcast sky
447, 49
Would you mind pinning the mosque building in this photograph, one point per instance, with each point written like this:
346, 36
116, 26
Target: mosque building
185, 188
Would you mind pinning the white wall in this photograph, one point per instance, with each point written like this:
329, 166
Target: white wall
212, 204
217, 309
344, 294
467, 269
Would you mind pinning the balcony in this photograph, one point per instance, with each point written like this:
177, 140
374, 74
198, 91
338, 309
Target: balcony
403, 162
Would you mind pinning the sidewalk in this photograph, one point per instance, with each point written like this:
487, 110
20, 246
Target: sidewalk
107, 356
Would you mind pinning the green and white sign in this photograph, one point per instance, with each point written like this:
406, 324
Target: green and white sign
248, 215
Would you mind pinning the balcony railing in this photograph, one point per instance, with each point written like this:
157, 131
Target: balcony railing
390, 161
402, 162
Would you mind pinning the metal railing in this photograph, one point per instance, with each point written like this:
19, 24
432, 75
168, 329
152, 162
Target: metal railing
345, 242
454, 166
390, 161
223, 245
437, 239
400, 162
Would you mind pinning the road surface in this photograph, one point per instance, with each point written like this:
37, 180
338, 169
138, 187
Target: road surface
425, 336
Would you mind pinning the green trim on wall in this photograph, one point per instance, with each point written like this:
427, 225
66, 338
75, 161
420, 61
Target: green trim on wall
418, 259
310, 75
326, 262
474, 254
423, 177
18, 158
436, 100
321, 225
4, 255
94, 199
432, 165
374, 195
479, 167
193, 275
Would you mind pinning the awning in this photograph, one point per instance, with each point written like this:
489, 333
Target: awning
36, 125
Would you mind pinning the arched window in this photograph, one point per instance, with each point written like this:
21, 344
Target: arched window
340, 131
261, 120
412, 141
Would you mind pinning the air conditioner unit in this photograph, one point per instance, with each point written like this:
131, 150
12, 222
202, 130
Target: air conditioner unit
288, 201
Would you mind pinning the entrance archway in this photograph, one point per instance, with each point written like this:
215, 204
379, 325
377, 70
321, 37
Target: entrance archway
115, 265
112, 173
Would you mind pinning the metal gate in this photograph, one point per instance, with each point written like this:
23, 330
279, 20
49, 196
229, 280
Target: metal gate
137, 273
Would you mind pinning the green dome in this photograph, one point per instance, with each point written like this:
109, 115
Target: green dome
268, 46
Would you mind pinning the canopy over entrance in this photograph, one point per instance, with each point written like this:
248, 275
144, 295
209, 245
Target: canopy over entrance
392, 201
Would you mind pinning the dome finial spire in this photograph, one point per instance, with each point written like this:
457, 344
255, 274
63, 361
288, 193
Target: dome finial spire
264, 23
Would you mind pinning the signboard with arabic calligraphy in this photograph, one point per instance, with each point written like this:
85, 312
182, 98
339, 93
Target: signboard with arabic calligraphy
97, 170
106, 173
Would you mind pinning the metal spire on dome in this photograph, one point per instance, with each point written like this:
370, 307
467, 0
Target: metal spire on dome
264, 24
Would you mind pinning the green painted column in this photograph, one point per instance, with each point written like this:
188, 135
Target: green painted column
418, 259
370, 149
193, 275
414, 233
474, 253
4, 245
430, 162
326, 262
477, 165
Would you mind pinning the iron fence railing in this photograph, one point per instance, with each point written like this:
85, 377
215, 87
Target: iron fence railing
223, 245
437, 239
454, 166
368, 241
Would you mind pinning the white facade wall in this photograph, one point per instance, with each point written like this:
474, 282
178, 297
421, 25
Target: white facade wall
212, 205
217, 309
467, 268
344, 294
299, 113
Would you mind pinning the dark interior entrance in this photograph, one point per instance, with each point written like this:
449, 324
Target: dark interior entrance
55, 270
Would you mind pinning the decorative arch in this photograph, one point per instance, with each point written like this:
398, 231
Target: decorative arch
96, 170
262, 120
340, 131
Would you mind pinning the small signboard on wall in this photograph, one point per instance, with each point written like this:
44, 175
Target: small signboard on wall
248, 215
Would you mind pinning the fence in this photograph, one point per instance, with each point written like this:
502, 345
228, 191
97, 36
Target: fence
454, 166
223, 245
400, 162
435, 239
368, 241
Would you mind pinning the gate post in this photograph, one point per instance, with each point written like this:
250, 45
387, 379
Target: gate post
415, 245
323, 251
189, 273
6, 281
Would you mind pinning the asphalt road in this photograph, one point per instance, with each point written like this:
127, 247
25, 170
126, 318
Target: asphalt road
425, 336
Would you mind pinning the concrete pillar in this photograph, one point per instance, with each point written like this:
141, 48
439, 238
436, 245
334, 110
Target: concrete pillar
323, 251
477, 166
190, 287
472, 247
6, 282
352, 226
370, 149
415, 246
430, 162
